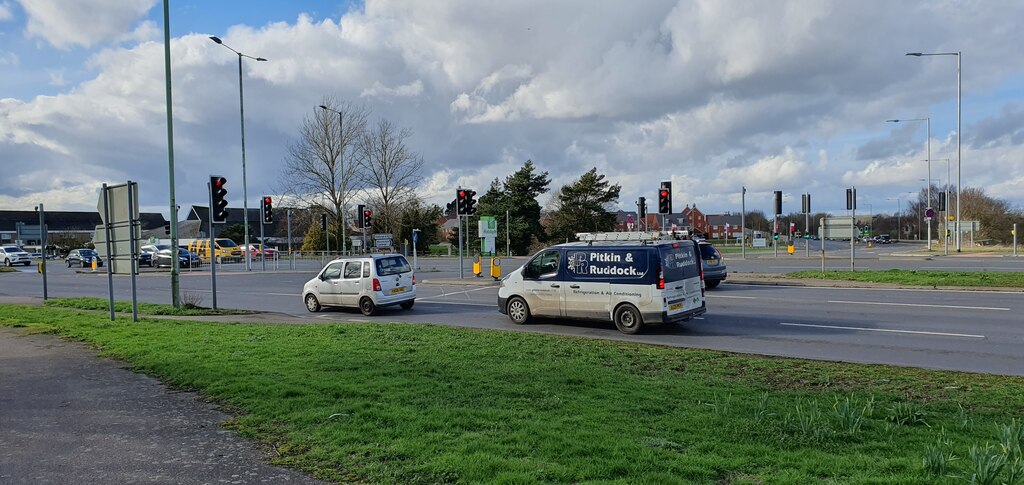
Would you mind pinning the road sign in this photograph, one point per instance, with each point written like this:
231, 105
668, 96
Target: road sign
117, 197
382, 240
415, 237
929, 213
487, 226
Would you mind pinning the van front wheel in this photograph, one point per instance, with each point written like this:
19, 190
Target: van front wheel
628, 320
312, 304
518, 310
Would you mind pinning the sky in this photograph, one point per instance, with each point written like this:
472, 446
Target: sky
714, 95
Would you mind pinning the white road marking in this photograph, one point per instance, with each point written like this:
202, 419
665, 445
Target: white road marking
925, 305
852, 288
732, 296
421, 300
281, 294
888, 330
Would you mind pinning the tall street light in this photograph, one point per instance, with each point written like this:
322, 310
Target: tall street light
928, 145
344, 180
959, 135
899, 217
245, 187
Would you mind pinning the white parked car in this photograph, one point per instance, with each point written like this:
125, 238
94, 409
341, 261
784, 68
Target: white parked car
365, 282
12, 255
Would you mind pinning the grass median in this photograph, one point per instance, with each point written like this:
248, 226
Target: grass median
922, 277
144, 308
401, 403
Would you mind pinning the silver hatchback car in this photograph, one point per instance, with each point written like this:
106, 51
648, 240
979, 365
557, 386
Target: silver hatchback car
364, 282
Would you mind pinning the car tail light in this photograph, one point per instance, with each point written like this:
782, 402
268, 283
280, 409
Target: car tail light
414, 279
661, 279
376, 284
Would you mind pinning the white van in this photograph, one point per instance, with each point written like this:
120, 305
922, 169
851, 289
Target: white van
634, 282
365, 282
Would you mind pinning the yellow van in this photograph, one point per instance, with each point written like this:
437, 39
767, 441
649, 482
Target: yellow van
225, 249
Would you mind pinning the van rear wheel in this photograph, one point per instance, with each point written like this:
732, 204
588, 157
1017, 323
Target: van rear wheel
367, 306
628, 320
518, 310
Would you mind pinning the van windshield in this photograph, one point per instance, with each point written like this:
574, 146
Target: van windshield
225, 243
392, 265
679, 262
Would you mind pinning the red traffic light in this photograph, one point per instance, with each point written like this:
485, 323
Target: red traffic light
664, 193
462, 194
219, 181
367, 213
266, 200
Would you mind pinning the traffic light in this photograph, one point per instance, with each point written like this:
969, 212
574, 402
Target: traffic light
778, 203
807, 235
461, 197
942, 201
665, 198
805, 202
470, 202
218, 199
268, 210
641, 208
367, 218
776, 235
360, 222
323, 222
167, 228
851, 199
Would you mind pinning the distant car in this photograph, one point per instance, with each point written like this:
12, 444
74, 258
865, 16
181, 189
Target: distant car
713, 264
12, 255
83, 258
254, 251
162, 258
883, 239
146, 259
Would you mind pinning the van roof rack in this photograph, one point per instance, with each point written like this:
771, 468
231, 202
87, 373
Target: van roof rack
641, 236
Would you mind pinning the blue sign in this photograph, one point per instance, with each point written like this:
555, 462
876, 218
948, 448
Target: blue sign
415, 236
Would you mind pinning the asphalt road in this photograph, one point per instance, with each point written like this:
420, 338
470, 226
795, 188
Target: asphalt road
974, 331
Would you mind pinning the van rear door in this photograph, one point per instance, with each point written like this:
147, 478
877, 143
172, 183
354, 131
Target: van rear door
680, 268
395, 275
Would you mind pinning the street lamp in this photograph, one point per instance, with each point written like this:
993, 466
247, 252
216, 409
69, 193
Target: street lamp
928, 197
899, 217
245, 188
344, 179
959, 135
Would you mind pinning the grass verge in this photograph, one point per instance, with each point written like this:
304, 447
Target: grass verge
87, 303
7, 269
922, 278
398, 403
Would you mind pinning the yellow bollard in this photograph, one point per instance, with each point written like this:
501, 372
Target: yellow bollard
94, 264
496, 268
791, 248
476, 267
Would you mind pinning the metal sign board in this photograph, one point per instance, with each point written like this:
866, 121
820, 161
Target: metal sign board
120, 247
27, 231
382, 240
487, 226
117, 200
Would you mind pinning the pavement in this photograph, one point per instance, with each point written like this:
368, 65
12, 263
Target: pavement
67, 416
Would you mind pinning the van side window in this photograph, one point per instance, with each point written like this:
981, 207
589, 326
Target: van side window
333, 272
544, 265
353, 270
366, 269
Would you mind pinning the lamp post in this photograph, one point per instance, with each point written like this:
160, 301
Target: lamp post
899, 218
959, 135
245, 187
928, 197
344, 179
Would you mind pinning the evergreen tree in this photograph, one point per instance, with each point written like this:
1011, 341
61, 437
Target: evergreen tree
584, 206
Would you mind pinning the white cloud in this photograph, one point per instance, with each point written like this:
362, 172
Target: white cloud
5, 12
379, 90
67, 24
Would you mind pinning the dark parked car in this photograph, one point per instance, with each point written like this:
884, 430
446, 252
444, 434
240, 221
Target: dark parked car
714, 266
883, 239
162, 256
145, 259
83, 258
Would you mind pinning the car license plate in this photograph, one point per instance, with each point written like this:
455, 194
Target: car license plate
675, 306
712, 261
400, 289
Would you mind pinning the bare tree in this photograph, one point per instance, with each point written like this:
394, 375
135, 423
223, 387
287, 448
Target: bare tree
322, 165
389, 170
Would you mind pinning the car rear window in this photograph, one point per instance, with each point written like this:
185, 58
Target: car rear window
392, 265
708, 251
679, 261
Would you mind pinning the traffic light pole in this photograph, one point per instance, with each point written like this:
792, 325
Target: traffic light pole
461, 270
213, 260
807, 234
263, 253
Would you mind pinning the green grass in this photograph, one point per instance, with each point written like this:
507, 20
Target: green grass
400, 403
86, 303
922, 278
5, 269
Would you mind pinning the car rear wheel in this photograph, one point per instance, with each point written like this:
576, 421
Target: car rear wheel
712, 283
628, 320
367, 306
406, 305
518, 310
312, 304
